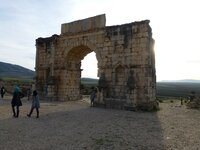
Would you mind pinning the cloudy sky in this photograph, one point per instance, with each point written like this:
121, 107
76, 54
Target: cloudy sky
175, 26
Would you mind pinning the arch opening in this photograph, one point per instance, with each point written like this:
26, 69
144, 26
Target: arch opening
73, 63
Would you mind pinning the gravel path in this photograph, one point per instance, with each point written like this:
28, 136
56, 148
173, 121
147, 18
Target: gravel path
76, 126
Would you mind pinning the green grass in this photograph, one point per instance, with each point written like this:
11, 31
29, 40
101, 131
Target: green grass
16, 80
177, 89
89, 81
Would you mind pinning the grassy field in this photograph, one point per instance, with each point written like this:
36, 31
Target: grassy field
177, 89
17, 79
89, 81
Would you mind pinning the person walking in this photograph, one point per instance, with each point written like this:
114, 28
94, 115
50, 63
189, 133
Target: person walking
3, 91
28, 94
35, 104
16, 101
92, 97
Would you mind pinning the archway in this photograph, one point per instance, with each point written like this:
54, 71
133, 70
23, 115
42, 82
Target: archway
125, 55
89, 66
73, 71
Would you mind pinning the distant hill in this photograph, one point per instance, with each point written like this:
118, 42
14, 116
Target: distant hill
177, 89
89, 81
15, 71
183, 81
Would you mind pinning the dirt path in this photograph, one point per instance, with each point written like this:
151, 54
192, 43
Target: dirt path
76, 126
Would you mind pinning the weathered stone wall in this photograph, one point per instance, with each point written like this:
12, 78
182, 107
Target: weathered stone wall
125, 55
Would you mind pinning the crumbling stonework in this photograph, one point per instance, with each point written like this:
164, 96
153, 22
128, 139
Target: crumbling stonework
125, 55
194, 101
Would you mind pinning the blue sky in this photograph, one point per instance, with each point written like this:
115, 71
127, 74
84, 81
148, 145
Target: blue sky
175, 26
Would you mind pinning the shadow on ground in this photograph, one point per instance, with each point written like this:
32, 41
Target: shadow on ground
75, 126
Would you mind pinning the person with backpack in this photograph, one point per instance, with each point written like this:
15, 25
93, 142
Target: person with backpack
16, 101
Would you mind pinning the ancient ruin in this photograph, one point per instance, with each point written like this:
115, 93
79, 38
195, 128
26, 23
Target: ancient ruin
126, 63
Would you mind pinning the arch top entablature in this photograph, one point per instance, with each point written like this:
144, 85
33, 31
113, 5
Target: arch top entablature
78, 47
77, 42
82, 45
96, 22
77, 53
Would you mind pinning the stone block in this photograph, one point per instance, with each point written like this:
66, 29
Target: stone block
84, 25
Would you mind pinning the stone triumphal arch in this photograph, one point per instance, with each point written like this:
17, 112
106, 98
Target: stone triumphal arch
126, 62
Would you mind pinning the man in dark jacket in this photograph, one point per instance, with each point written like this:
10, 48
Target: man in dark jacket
3, 91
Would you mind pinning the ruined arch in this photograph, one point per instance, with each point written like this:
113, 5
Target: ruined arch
125, 55
72, 61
